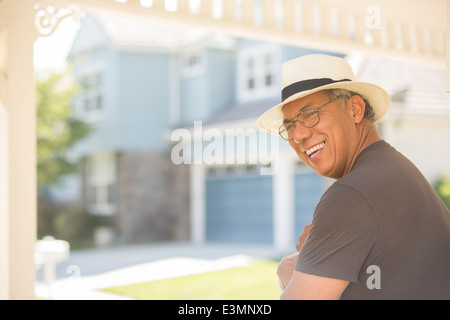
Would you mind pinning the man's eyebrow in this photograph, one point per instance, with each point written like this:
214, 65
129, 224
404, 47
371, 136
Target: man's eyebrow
302, 109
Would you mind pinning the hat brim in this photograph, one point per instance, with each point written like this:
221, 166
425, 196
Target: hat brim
378, 98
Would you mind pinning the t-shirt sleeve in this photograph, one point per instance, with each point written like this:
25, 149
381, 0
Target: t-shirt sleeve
343, 233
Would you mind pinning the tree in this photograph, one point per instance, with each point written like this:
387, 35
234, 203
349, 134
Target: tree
57, 129
442, 187
57, 132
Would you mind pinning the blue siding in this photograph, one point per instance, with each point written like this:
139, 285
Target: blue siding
221, 80
135, 93
143, 80
308, 191
104, 137
289, 52
194, 102
205, 94
239, 210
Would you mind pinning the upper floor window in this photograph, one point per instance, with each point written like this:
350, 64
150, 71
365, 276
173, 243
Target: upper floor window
258, 73
192, 63
91, 96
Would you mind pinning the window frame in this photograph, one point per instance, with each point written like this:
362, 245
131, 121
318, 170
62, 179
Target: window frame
101, 183
252, 77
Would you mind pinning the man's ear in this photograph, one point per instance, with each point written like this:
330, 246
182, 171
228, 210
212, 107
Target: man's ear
358, 108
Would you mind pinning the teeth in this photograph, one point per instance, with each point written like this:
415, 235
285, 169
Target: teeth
315, 148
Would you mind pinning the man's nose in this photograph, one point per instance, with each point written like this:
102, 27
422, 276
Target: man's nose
301, 133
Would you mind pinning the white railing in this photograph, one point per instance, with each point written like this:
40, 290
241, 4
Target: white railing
414, 28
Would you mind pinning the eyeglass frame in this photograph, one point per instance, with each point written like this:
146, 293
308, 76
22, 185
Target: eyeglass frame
314, 111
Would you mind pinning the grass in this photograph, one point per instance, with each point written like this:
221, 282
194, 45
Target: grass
257, 281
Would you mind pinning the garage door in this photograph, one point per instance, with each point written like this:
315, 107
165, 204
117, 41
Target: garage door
309, 188
239, 208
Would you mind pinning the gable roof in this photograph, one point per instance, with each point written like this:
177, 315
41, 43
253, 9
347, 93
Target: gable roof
134, 33
415, 89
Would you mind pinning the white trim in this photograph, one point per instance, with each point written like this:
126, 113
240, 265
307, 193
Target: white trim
284, 201
198, 217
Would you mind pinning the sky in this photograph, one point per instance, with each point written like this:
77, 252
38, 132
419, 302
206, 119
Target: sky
50, 52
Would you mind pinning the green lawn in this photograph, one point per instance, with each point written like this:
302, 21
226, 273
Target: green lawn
258, 281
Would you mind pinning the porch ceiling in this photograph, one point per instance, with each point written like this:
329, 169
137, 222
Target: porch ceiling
405, 29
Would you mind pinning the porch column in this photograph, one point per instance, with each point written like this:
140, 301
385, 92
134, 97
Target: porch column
198, 218
4, 234
17, 150
283, 207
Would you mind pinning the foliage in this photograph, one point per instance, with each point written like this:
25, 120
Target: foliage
57, 130
255, 282
69, 223
442, 187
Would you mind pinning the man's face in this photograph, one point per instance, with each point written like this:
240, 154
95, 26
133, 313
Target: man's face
329, 147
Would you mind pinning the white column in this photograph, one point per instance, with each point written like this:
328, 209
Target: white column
17, 94
198, 219
4, 199
283, 206
174, 87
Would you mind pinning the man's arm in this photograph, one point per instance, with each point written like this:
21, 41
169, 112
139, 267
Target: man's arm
298, 285
305, 286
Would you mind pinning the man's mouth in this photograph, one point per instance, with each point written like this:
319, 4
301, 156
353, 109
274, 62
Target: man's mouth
315, 150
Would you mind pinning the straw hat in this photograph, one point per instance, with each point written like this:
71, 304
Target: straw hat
312, 73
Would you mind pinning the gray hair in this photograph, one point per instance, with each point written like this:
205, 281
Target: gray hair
344, 95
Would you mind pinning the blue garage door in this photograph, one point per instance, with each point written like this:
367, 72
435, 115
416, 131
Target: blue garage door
239, 209
309, 188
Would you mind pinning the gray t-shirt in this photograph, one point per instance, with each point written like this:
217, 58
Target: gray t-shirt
383, 228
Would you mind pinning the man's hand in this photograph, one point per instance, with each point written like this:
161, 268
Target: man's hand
303, 236
287, 264
286, 269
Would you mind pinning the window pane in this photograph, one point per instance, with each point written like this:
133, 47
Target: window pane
111, 194
268, 80
251, 83
250, 64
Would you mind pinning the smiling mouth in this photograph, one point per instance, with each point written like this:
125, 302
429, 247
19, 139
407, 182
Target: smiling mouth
315, 150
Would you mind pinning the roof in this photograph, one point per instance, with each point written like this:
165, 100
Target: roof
244, 111
135, 33
414, 89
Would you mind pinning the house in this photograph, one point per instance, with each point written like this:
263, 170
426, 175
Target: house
176, 154
141, 82
400, 29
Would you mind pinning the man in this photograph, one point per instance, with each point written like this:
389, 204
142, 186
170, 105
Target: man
380, 231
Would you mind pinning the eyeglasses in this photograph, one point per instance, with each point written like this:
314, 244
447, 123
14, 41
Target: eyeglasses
308, 118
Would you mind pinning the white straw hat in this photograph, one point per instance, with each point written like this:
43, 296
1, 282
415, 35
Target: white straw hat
312, 73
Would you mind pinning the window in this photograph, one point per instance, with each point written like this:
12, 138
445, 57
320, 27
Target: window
258, 73
92, 100
101, 183
192, 63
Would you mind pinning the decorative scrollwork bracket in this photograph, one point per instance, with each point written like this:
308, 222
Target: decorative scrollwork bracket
48, 18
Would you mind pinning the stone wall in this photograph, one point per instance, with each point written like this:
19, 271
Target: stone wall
153, 198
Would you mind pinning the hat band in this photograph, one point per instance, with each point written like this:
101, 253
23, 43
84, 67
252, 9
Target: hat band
304, 85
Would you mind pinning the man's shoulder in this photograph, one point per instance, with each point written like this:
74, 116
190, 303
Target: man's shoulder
374, 166
343, 197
